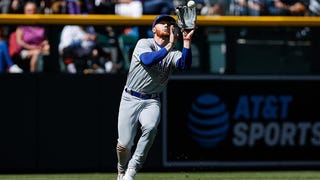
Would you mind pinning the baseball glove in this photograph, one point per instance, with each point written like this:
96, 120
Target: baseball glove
187, 17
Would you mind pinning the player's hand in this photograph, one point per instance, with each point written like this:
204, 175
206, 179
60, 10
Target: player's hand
188, 33
173, 35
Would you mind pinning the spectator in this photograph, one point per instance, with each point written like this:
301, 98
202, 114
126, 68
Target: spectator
32, 41
16, 7
59, 7
66, 7
104, 6
5, 6
129, 36
108, 39
132, 8
248, 7
6, 63
213, 7
199, 4
87, 6
287, 7
290, 8
314, 8
73, 7
45, 6
80, 51
158, 7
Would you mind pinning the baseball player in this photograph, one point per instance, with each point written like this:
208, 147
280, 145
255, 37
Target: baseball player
152, 62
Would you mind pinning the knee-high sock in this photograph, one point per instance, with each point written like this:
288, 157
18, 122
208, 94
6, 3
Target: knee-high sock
123, 155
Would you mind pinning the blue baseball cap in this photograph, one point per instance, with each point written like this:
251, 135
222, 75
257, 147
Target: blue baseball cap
163, 17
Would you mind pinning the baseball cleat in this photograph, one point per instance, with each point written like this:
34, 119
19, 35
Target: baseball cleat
120, 176
130, 174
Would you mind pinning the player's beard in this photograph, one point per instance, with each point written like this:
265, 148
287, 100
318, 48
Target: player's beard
162, 33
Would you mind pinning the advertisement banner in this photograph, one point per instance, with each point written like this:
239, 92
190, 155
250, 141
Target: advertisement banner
241, 122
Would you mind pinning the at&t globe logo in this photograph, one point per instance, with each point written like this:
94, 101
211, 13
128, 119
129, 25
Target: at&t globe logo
208, 120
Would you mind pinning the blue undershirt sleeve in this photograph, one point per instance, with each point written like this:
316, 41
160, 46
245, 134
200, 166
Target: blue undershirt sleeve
184, 63
150, 58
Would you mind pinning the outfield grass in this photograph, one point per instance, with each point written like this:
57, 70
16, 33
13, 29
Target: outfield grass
279, 175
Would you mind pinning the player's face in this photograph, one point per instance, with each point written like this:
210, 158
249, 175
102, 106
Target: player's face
162, 29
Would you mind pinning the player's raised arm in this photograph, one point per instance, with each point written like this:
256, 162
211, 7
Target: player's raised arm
184, 63
187, 37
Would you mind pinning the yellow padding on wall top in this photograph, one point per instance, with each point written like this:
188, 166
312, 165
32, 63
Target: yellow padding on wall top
54, 19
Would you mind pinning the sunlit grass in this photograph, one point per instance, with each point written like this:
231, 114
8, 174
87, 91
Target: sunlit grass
269, 175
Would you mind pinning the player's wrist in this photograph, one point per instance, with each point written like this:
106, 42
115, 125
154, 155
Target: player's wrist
171, 44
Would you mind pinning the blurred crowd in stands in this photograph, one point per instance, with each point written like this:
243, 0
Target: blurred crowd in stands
106, 49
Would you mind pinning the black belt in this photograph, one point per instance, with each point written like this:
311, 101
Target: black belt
140, 95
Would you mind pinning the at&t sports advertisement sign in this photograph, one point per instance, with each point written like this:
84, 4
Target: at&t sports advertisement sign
242, 122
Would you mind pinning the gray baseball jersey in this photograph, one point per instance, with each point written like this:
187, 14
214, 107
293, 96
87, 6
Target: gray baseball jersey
153, 79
